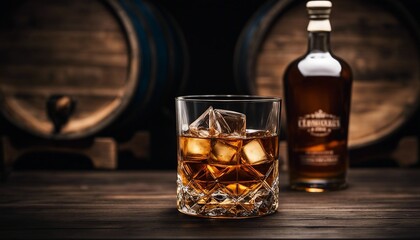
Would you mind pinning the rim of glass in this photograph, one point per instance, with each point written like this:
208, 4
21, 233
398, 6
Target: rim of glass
227, 98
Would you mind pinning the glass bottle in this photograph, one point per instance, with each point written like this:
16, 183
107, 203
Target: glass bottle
317, 90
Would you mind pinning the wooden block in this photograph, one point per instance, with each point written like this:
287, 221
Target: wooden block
102, 152
138, 145
407, 152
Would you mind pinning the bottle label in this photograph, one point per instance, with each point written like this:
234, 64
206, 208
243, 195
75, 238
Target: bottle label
319, 123
322, 158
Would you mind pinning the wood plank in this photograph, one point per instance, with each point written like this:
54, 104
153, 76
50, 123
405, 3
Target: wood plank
63, 14
67, 75
56, 40
60, 57
380, 203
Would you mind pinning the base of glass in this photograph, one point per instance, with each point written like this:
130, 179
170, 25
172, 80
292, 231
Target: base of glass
318, 185
223, 216
219, 204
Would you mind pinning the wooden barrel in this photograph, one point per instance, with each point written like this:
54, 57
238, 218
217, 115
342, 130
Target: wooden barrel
379, 39
71, 68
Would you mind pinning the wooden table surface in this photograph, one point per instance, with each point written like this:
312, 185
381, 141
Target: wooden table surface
380, 203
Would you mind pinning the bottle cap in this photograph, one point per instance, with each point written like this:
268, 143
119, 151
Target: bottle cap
319, 14
319, 9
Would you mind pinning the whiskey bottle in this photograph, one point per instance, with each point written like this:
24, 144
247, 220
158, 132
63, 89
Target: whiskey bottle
317, 90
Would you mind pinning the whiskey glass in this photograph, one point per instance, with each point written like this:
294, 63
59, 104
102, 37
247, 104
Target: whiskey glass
228, 155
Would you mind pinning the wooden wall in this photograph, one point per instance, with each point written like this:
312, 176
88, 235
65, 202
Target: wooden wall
212, 29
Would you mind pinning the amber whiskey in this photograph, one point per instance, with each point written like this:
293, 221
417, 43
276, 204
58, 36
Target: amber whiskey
317, 90
228, 176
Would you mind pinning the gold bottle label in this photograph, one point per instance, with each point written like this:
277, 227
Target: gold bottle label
319, 123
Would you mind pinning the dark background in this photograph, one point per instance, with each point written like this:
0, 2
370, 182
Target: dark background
211, 29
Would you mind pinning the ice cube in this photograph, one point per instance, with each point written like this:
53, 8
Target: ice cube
201, 126
197, 148
254, 153
253, 133
272, 123
215, 122
225, 152
229, 123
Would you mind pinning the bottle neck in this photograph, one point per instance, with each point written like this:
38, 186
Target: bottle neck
318, 41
